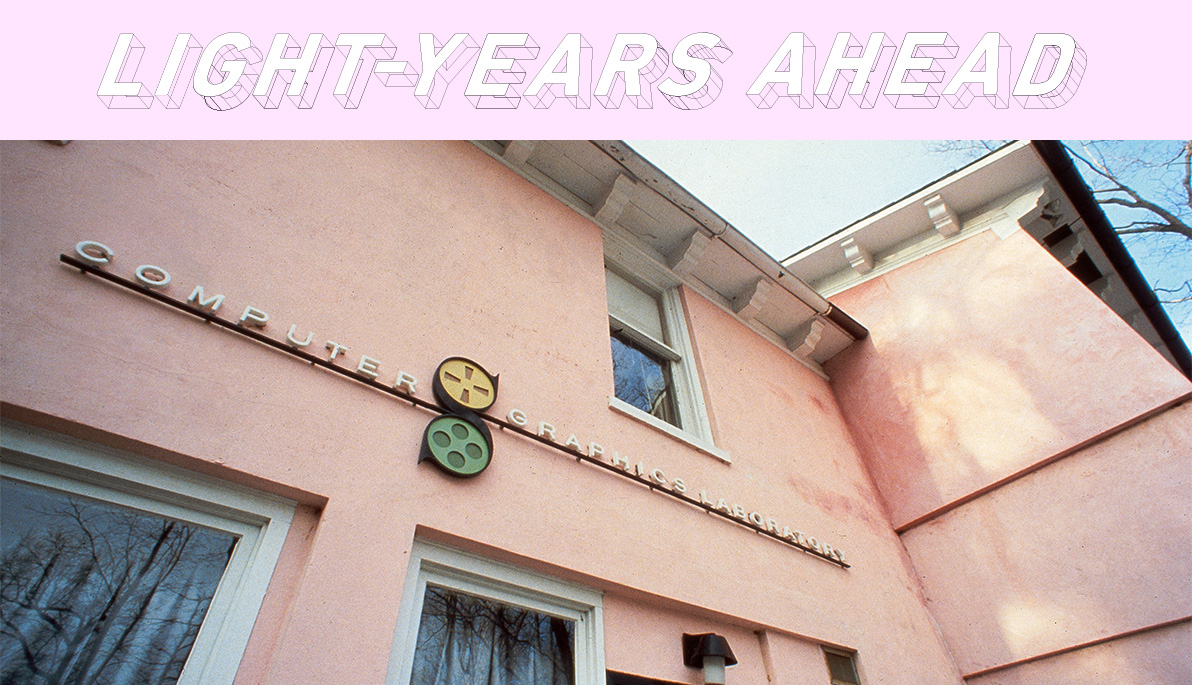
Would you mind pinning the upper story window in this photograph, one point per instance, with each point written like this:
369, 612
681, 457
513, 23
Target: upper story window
642, 361
116, 569
654, 377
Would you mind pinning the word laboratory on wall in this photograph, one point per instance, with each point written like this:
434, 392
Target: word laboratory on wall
499, 70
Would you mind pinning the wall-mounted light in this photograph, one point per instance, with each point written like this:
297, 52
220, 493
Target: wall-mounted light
709, 652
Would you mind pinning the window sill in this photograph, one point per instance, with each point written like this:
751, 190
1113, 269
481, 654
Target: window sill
623, 407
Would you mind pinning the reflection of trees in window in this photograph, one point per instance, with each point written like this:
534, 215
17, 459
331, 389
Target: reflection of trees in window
91, 592
642, 380
465, 640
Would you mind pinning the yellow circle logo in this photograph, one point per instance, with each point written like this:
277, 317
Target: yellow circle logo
467, 384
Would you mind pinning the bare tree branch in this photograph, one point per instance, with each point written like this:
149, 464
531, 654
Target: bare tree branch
1188, 172
1172, 223
1187, 286
1093, 158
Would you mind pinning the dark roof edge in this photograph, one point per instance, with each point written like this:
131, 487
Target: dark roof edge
1066, 174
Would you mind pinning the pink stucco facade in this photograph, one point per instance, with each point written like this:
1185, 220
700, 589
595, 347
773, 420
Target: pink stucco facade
918, 454
1035, 458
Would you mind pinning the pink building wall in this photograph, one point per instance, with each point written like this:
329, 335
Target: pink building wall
1034, 455
410, 253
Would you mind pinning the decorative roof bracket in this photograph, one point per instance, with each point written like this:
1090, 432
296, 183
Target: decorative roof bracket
858, 256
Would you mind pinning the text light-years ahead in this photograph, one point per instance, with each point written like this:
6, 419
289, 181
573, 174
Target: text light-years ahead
506, 68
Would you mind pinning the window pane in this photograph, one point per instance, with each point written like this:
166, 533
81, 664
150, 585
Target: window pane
92, 592
642, 380
464, 640
841, 668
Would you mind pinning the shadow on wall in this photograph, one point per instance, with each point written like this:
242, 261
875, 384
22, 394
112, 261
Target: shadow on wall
954, 388
983, 359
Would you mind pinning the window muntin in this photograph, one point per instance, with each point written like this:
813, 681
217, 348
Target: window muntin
96, 592
442, 571
257, 521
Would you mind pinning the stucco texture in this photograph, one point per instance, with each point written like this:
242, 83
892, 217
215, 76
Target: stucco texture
982, 360
1034, 453
1073, 553
410, 253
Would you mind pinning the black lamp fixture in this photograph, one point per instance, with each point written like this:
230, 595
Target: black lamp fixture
709, 652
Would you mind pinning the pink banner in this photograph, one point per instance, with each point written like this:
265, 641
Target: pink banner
368, 69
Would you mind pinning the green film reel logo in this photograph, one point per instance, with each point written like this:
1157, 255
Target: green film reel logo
457, 446
459, 442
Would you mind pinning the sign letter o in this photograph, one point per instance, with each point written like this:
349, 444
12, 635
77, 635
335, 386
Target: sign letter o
95, 253
153, 276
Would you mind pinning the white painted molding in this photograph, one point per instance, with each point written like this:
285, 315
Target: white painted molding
623, 407
480, 577
750, 303
814, 334
623, 249
945, 220
1022, 211
1053, 212
261, 521
1068, 250
686, 257
518, 151
857, 256
628, 256
996, 217
614, 203
689, 393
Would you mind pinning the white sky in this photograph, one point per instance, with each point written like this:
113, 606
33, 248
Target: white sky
786, 195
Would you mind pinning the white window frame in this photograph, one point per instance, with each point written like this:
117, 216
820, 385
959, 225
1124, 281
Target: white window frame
452, 569
677, 351
260, 520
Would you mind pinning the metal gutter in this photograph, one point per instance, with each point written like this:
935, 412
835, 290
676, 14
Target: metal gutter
1052, 153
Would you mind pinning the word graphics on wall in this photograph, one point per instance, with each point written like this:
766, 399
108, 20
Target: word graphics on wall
458, 441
